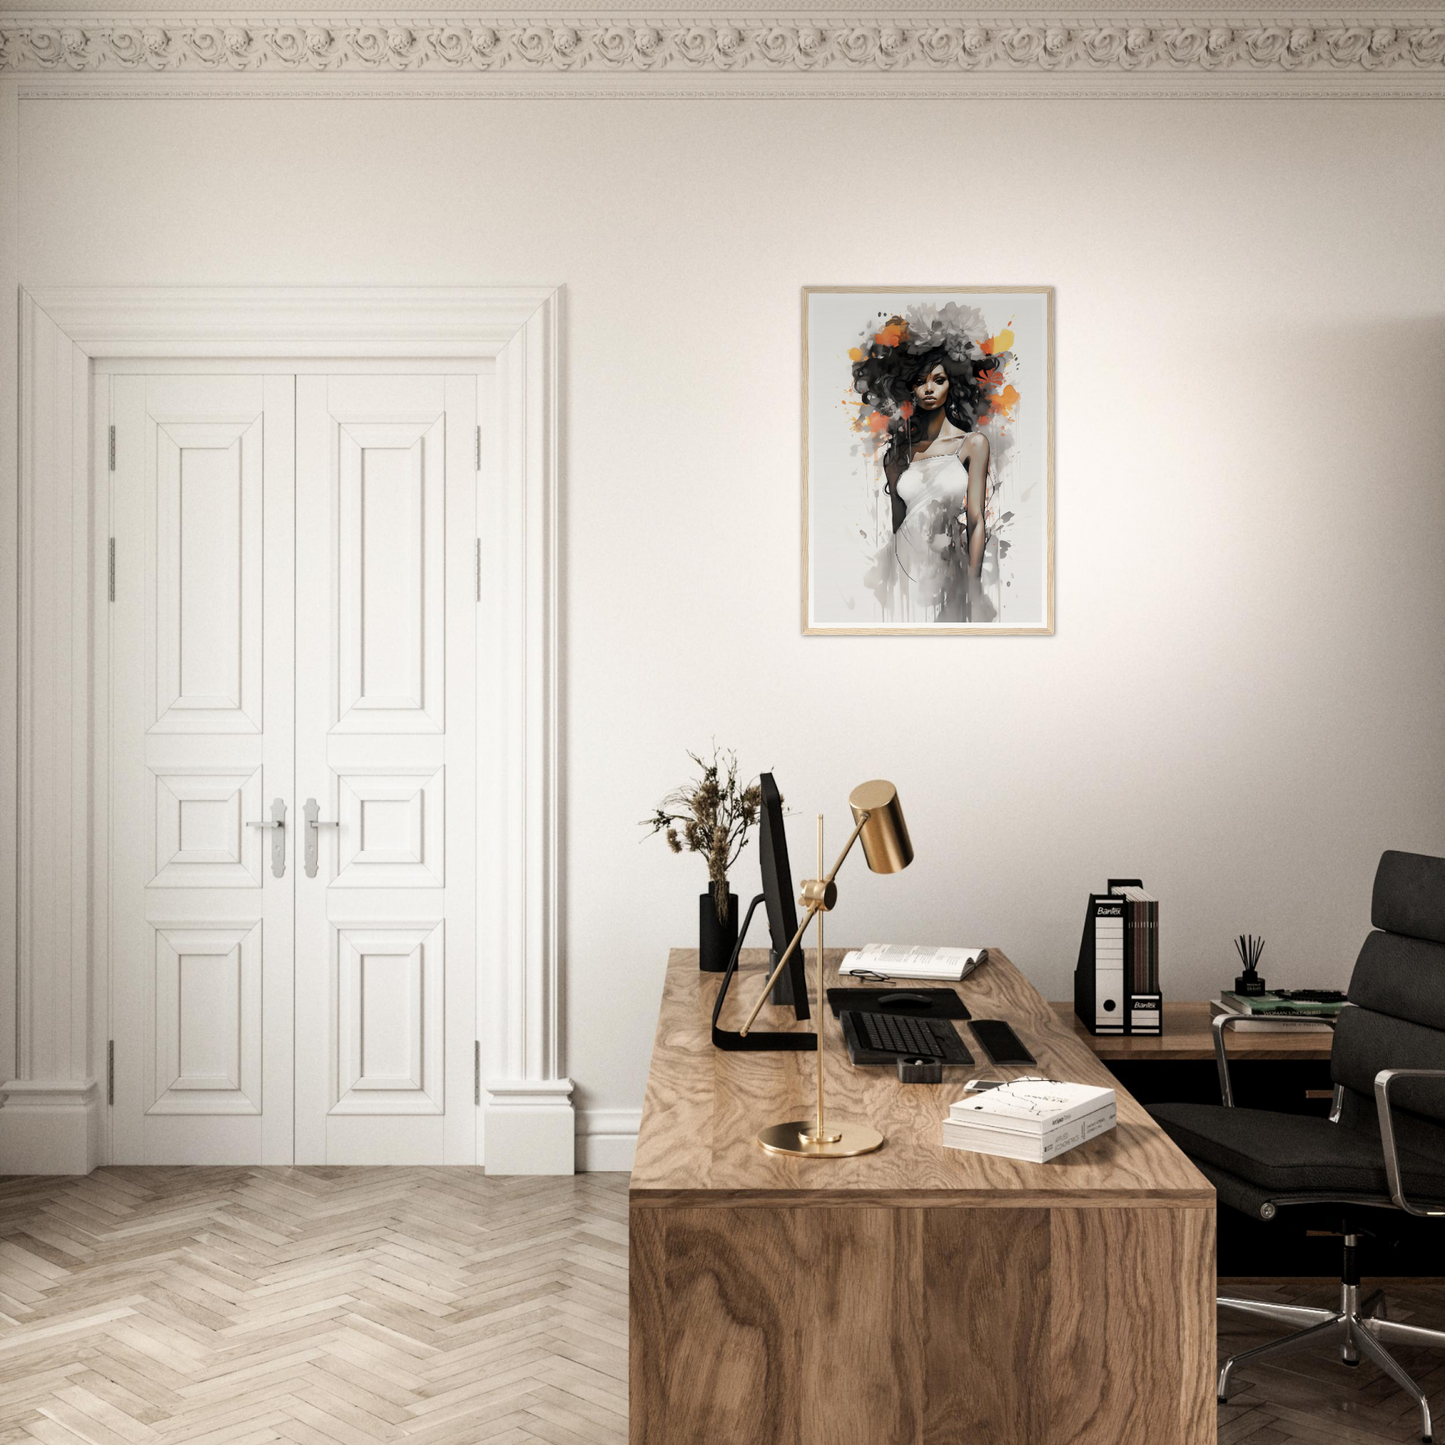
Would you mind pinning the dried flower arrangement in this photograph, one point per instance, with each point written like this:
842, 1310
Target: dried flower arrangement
711, 816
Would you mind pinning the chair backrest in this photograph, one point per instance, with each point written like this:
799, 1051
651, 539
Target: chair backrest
1398, 993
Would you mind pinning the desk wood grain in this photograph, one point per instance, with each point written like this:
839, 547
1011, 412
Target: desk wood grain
704, 1107
919, 1295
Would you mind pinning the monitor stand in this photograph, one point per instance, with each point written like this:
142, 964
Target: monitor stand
757, 1040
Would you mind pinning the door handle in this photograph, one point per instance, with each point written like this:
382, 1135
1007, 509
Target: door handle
278, 841
314, 825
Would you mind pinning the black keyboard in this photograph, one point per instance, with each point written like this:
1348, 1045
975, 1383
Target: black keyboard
902, 1037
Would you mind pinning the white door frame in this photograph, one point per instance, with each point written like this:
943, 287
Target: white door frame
54, 990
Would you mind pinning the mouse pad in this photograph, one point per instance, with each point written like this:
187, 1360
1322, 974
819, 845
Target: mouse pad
915, 1003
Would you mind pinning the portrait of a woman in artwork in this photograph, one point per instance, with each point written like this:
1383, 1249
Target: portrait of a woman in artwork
915, 526
926, 385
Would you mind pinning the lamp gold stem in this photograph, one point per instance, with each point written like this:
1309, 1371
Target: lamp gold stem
813, 910
818, 1134
815, 1138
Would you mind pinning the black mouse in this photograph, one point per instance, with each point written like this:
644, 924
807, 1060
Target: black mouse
902, 999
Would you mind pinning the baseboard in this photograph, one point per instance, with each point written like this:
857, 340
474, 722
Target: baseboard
49, 1126
607, 1139
531, 1127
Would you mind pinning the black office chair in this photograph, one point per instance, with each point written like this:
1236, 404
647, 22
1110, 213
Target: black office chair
1383, 1146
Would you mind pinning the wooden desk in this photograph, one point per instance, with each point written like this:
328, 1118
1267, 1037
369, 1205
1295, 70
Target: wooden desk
919, 1295
1188, 1036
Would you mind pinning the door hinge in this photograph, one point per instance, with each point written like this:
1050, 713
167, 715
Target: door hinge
110, 1072
479, 446
110, 569
477, 1072
112, 448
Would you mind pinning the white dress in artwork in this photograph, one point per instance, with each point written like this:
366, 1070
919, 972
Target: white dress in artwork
920, 574
932, 544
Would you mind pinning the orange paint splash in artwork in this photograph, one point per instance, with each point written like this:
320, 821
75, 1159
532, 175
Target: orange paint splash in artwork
877, 422
997, 345
906, 409
1004, 402
890, 335
855, 353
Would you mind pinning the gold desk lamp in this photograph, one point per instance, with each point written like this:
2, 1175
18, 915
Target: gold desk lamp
878, 821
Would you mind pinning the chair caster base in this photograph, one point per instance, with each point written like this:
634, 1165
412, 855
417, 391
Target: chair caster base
1352, 1330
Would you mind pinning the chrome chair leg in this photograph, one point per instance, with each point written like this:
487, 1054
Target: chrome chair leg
1401, 1334
1373, 1350
1372, 1307
1349, 1308
1285, 1314
1301, 1340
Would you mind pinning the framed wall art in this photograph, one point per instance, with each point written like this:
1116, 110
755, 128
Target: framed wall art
928, 459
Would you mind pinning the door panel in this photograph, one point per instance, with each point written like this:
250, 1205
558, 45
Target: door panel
207, 1054
201, 744
389, 1046
385, 672
392, 828
209, 561
390, 574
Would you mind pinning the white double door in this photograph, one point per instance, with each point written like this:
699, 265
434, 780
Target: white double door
292, 642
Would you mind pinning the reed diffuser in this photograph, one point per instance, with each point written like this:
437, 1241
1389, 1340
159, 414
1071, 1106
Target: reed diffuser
1249, 948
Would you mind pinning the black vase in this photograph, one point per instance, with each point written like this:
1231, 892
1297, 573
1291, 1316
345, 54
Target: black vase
716, 941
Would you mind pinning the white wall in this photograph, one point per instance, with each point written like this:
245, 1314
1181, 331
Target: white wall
1243, 700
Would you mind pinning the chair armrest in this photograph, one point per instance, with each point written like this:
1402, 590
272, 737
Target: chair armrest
1383, 1080
1223, 1021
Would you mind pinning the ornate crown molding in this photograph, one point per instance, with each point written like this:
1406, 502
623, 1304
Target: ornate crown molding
935, 47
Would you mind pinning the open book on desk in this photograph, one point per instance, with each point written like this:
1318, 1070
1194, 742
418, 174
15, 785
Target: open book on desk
902, 960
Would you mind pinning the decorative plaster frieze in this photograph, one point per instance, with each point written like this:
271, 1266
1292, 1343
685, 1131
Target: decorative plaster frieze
877, 46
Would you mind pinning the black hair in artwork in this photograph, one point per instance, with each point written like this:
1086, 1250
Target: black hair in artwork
886, 376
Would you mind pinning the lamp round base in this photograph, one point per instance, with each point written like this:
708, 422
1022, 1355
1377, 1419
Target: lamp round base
794, 1138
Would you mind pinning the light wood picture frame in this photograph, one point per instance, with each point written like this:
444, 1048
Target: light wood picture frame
928, 460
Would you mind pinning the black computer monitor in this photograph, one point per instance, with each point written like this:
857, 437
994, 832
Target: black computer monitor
791, 987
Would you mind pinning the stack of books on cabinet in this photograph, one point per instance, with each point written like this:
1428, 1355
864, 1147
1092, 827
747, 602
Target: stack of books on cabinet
1276, 1012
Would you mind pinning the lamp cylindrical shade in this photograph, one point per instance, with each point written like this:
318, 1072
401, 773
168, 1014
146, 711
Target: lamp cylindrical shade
885, 840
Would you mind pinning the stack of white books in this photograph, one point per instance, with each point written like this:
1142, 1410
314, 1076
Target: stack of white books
1031, 1119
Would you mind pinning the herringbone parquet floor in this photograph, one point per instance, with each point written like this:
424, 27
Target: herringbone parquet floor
318, 1306
429, 1307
